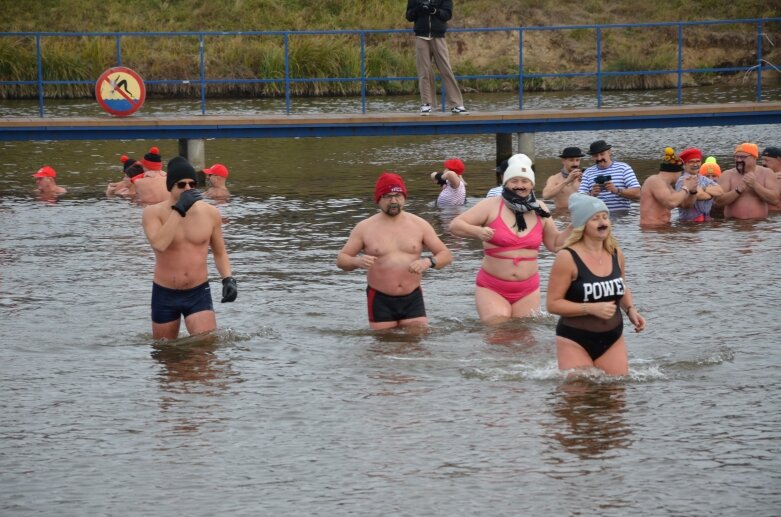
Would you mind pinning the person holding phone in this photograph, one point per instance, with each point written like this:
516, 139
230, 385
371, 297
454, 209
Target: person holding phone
617, 186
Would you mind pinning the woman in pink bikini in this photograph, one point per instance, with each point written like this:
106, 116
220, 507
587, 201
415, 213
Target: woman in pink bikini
512, 227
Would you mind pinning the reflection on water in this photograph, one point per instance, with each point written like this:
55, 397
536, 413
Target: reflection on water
592, 418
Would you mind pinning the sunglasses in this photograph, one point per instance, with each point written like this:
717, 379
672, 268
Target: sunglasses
182, 184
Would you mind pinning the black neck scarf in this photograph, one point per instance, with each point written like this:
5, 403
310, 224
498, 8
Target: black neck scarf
520, 205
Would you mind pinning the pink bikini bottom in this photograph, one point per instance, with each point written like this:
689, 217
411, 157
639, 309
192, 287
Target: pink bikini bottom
510, 290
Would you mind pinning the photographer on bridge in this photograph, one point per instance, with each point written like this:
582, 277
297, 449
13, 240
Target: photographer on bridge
430, 18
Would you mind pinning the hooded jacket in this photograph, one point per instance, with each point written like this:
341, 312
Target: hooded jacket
430, 25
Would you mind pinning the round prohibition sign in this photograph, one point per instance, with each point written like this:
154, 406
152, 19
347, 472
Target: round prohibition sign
120, 91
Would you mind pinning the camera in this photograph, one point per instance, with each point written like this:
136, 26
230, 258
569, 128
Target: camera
602, 179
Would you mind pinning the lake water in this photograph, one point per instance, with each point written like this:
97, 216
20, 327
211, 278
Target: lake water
294, 407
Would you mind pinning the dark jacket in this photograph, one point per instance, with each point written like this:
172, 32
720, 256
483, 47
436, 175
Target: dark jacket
430, 25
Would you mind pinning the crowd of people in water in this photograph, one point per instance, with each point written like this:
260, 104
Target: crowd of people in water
587, 288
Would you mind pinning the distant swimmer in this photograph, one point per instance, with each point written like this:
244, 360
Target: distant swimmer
218, 177
748, 188
562, 185
46, 184
151, 186
657, 195
181, 230
588, 289
453, 191
771, 158
613, 182
126, 187
707, 189
389, 245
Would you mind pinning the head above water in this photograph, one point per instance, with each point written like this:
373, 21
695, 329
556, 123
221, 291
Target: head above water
583, 207
178, 170
387, 183
518, 166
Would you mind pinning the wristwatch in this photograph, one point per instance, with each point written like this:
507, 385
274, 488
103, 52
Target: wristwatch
433, 261
737, 189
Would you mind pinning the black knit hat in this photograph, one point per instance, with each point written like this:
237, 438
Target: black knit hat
131, 166
178, 170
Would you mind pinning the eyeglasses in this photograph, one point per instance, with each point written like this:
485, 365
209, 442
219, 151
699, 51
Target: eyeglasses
182, 184
392, 195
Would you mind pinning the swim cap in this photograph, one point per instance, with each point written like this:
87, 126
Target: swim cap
691, 153
388, 182
518, 166
710, 168
455, 165
45, 172
217, 169
583, 207
178, 170
748, 148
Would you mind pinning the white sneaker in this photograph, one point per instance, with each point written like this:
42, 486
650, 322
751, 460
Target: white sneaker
460, 110
425, 109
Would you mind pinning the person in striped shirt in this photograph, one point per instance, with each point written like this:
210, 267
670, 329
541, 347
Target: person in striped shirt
453, 191
613, 182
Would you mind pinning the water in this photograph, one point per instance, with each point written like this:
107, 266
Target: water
294, 407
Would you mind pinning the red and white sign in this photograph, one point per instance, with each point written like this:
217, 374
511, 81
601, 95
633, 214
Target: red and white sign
120, 91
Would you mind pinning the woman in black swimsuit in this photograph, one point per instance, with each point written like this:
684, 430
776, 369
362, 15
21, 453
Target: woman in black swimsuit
588, 290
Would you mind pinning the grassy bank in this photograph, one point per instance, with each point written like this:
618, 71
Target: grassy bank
252, 57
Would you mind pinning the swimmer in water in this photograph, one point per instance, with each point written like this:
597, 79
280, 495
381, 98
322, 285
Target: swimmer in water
587, 289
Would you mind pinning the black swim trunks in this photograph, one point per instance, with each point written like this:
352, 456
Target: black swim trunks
383, 307
170, 304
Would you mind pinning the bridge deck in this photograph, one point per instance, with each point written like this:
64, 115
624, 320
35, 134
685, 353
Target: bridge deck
379, 124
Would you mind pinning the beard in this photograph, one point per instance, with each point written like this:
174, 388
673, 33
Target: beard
393, 209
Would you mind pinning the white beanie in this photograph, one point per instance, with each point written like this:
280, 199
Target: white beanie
518, 166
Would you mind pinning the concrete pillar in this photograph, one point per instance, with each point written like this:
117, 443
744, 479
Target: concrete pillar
194, 149
526, 144
504, 149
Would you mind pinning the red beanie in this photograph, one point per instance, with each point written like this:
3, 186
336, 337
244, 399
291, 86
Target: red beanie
690, 154
455, 165
388, 182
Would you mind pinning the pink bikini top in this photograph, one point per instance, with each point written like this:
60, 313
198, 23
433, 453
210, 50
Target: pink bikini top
505, 239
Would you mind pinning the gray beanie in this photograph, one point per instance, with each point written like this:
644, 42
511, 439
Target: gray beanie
583, 207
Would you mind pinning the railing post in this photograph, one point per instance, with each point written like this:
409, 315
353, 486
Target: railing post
599, 67
203, 75
363, 72
39, 64
520, 69
680, 63
119, 49
287, 74
759, 60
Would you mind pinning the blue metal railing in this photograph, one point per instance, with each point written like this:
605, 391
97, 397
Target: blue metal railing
287, 81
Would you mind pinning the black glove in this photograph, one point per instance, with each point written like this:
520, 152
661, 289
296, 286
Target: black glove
438, 177
186, 200
229, 289
431, 9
